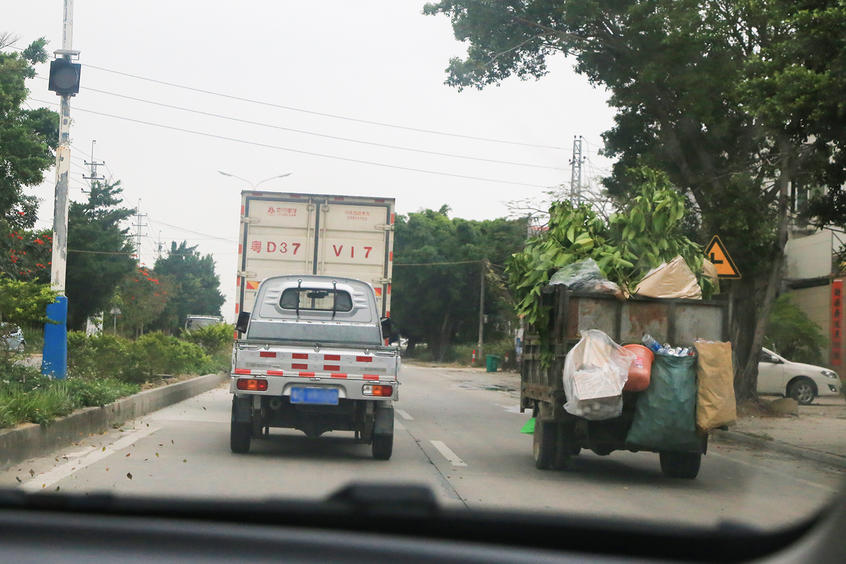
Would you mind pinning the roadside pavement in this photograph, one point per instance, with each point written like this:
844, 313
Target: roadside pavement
818, 432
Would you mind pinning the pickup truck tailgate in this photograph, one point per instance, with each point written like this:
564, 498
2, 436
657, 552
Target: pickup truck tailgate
339, 364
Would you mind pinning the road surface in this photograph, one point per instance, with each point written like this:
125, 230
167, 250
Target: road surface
457, 430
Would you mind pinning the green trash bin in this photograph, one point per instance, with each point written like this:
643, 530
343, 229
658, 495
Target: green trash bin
492, 362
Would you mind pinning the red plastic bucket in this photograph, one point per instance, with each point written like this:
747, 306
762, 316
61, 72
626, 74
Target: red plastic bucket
640, 369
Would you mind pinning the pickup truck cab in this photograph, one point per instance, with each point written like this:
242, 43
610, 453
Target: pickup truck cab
313, 358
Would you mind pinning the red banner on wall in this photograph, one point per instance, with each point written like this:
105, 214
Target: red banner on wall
837, 322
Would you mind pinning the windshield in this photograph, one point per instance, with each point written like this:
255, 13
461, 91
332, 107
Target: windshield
580, 227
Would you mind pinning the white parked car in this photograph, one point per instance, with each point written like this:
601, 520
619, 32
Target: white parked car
802, 382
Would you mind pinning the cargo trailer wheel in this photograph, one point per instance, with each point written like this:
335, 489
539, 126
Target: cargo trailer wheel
239, 437
680, 464
383, 446
543, 444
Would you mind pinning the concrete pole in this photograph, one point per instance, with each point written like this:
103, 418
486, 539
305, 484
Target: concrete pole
481, 344
55, 354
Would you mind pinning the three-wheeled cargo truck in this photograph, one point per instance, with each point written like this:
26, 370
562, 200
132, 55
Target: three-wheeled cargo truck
559, 435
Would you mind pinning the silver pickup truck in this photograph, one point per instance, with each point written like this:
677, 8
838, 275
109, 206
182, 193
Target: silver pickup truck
314, 358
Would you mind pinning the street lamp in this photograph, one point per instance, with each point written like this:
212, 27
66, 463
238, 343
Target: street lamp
256, 184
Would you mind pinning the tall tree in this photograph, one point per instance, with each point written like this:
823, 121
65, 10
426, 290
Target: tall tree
196, 285
691, 82
99, 251
444, 265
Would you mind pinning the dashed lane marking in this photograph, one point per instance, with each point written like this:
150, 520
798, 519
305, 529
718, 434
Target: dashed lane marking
404, 414
447, 453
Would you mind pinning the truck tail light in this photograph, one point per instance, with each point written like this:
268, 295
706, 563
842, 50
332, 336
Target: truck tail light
252, 384
377, 390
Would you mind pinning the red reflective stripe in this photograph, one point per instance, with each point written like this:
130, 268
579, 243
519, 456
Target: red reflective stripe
370, 377
243, 371
391, 256
240, 248
364, 359
242, 210
236, 308
299, 366
275, 373
302, 356
331, 357
338, 375
307, 374
330, 367
267, 354
393, 217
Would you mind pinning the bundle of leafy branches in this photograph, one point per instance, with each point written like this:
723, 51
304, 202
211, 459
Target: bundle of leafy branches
647, 231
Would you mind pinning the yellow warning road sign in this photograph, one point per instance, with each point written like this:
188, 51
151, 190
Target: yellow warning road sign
716, 252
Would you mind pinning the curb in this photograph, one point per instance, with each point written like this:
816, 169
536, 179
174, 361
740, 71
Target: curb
31, 440
780, 446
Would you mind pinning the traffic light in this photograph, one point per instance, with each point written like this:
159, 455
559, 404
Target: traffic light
64, 77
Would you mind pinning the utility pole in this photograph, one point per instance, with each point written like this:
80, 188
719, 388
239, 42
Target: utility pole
139, 218
93, 164
159, 246
55, 353
576, 171
481, 344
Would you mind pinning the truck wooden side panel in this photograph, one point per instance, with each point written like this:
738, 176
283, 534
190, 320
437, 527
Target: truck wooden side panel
292, 233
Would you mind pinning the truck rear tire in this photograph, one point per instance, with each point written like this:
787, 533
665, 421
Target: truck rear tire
680, 464
543, 444
383, 446
239, 437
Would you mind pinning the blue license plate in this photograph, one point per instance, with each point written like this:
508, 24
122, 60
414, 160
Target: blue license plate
315, 396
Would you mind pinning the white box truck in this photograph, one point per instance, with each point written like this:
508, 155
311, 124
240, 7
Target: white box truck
318, 234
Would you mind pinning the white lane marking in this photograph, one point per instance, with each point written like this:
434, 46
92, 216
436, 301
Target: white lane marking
404, 414
399, 426
447, 453
771, 471
62, 471
510, 408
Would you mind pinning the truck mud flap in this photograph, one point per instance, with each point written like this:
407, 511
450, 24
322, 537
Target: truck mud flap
242, 409
383, 423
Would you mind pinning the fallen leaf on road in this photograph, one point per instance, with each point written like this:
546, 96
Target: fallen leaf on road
157, 455
43, 486
31, 472
184, 460
129, 475
58, 488
127, 455
171, 442
104, 449
107, 468
18, 479
161, 444
148, 424
56, 459
204, 408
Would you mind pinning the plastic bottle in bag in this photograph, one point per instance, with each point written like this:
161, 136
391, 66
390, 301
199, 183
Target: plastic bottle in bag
650, 343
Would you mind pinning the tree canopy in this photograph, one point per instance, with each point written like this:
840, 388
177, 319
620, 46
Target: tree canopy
195, 285
99, 251
437, 268
733, 100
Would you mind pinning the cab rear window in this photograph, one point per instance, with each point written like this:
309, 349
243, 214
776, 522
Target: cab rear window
316, 299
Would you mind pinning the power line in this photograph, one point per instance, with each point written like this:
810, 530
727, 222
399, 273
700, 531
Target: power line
436, 263
301, 152
325, 114
192, 231
315, 134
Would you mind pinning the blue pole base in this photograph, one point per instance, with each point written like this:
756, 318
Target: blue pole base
54, 362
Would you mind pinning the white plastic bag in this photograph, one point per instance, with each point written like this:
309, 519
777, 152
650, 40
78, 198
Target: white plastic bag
595, 371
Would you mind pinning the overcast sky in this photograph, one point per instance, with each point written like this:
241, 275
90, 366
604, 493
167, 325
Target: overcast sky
377, 60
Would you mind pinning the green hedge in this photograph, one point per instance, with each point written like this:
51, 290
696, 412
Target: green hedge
27, 396
107, 355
